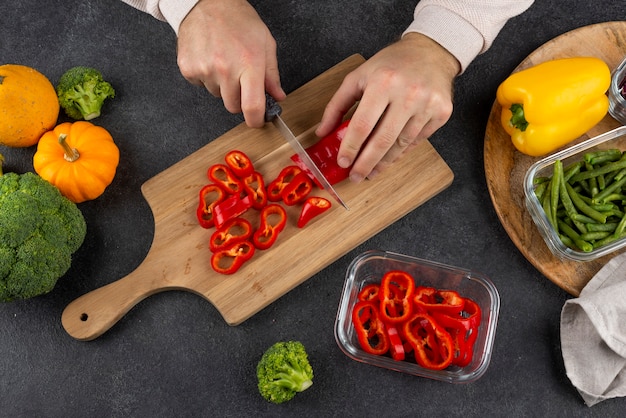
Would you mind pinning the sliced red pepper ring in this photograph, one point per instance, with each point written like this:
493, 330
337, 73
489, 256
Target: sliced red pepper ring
435, 300
324, 155
432, 344
297, 189
396, 294
273, 220
276, 186
209, 196
223, 176
369, 292
312, 207
229, 260
254, 186
233, 231
240, 164
230, 208
370, 329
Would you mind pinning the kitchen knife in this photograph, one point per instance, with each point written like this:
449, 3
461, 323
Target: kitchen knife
272, 114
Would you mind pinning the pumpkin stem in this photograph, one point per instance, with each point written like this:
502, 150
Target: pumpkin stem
71, 154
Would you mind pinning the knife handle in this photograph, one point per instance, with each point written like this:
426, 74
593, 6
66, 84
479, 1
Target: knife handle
272, 108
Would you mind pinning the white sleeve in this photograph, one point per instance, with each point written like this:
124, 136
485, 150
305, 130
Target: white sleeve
170, 11
466, 28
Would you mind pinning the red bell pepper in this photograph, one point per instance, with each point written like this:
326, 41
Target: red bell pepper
324, 155
230, 208
233, 231
463, 329
395, 294
240, 164
229, 260
209, 196
223, 176
369, 327
273, 220
432, 344
297, 189
369, 292
276, 186
312, 207
254, 186
432, 300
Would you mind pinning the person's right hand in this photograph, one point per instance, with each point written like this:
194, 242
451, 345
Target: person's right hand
225, 46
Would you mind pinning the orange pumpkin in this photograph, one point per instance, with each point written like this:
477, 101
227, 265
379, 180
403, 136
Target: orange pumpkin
79, 158
29, 105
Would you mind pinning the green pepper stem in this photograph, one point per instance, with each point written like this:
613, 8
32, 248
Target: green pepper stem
518, 119
71, 154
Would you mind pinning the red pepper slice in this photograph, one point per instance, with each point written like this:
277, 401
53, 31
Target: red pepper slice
324, 155
254, 186
229, 260
273, 220
312, 207
396, 346
370, 329
395, 294
297, 189
369, 292
223, 176
276, 186
209, 196
432, 300
240, 164
233, 231
432, 344
230, 208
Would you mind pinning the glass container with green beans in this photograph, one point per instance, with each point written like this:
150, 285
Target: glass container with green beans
577, 197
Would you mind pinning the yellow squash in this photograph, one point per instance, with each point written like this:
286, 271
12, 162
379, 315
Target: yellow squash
79, 158
550, 104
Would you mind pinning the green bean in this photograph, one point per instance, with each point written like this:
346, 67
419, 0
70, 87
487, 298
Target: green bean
603, 156
594, 236
572, 169
614, 166
557, 178
540, 189
583, 207
613, 187
609, 226
573, 235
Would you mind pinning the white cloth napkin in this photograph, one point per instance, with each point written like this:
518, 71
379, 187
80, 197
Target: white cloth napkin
593, 335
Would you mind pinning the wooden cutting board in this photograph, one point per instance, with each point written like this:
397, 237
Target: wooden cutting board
179, 258
505, 166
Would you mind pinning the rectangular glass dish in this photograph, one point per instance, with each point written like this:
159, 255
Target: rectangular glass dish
370, 266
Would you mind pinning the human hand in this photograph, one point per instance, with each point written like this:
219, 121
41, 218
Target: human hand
405, 94
235, 64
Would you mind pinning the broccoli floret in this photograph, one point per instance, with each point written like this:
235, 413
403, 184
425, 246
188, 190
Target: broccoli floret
283, 371
82, 91
39, 231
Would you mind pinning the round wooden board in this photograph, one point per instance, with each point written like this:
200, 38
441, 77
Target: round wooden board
505, 166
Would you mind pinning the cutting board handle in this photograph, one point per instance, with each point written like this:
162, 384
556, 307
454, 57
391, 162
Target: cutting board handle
92, 314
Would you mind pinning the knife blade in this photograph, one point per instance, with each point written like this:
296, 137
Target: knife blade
272, 114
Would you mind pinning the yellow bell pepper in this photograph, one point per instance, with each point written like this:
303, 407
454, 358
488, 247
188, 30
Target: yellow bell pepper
550, 104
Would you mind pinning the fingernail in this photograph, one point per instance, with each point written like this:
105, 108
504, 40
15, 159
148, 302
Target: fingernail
344, 162
356, 178
373, 174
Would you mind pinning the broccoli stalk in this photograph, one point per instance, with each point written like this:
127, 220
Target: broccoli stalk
283, 371
82, 91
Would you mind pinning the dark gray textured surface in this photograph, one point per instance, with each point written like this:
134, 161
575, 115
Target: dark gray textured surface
173, 354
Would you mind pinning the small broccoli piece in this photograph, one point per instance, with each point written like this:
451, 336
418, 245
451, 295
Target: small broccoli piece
283, 371
39, 231
82, 92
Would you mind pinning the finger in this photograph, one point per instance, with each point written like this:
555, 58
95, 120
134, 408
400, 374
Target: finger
348, 93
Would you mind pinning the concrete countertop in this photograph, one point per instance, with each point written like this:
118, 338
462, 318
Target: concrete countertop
173, 355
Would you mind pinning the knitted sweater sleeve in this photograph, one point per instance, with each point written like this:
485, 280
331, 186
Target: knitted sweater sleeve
466, 28
170, 11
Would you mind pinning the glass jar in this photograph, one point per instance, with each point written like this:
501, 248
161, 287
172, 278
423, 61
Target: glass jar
617, 91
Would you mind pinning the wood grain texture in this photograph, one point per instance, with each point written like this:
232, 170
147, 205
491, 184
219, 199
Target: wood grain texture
179, 258
505, 166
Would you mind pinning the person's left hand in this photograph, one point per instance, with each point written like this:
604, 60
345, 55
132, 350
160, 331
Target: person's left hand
405, 94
